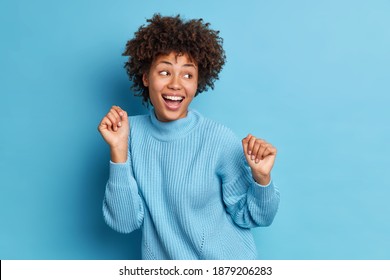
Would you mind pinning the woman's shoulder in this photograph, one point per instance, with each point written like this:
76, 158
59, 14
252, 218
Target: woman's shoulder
212, 126
138, 118
138, 122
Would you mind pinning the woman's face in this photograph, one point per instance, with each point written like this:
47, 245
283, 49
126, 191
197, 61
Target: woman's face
172, 81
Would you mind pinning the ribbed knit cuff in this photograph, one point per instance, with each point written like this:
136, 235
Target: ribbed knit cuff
119, 173
264, 192
263, 186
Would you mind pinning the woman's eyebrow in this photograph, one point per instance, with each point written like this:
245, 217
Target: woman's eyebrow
189, 65
165, 62
171, 64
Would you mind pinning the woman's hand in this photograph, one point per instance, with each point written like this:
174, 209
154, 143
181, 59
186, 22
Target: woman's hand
115, 130
260, 156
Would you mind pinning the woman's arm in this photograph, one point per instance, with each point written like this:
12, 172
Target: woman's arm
250, 196
122, 205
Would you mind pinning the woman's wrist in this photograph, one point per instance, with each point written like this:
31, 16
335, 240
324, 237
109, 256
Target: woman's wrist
263, 180
119, 154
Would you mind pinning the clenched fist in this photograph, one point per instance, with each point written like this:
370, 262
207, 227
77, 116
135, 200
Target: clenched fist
115, 130
260, 156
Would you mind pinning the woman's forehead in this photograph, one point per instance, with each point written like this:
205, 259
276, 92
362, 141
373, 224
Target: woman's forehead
175, 57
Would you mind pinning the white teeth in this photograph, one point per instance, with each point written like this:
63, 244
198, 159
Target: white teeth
174, 98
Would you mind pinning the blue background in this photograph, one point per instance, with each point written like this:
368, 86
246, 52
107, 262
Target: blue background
311, 77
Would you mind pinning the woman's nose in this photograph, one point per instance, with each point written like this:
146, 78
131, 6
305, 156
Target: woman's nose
174, 83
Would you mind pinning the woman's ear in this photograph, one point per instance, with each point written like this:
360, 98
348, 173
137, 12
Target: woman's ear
145, 80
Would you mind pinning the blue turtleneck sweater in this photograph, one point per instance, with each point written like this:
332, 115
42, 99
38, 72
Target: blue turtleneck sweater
187, 185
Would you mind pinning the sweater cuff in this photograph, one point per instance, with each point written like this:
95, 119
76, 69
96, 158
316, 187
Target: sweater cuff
265, 192
119, 173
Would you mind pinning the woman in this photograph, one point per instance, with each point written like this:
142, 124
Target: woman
193, 188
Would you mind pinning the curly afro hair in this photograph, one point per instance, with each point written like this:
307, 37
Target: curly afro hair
164, 35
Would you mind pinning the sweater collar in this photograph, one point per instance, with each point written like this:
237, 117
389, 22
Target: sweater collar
168, 131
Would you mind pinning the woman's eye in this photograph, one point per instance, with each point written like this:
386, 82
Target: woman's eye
188, 76
164, 73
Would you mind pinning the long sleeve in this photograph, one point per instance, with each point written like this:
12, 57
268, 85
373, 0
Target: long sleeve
248, 203
122, 205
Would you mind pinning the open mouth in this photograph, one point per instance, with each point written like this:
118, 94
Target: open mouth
173, 101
